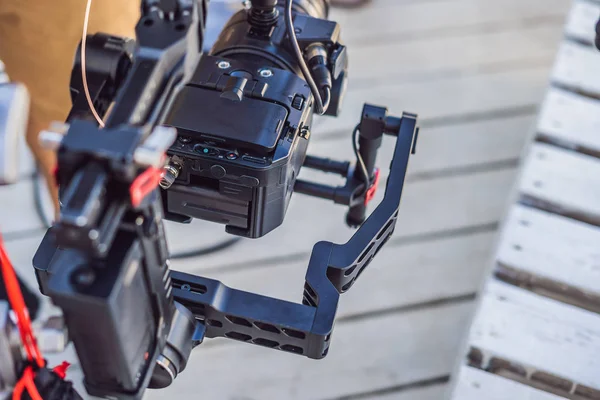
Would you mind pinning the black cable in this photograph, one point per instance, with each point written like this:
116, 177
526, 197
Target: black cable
202, 251
359, 159
289, 24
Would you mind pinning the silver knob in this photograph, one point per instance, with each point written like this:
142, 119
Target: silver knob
170, 173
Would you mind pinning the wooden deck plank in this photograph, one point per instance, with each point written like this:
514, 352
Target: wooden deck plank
444, 98
570, 120
564, 181
474, 384
440, 149
577, 67
405, 352
475, 200
552, 254
395, 20
17, 211
407, 61
538, 334
428, 393
582, 19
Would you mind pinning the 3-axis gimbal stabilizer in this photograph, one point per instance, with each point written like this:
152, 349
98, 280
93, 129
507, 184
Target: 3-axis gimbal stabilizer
225, 135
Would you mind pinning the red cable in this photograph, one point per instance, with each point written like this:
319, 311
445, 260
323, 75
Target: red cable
26, 382
17, 303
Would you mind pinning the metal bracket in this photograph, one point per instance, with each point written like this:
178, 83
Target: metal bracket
303, 329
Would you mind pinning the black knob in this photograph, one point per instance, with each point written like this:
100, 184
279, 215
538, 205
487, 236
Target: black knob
236, 83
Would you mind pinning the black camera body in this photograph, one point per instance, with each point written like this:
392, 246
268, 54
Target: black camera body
244, 121
238, 156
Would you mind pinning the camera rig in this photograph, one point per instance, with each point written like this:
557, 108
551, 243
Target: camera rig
221, 137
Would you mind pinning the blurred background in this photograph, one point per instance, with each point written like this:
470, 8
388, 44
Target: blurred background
475, 71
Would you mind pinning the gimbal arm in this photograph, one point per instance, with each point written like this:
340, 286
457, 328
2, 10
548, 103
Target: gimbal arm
305, 329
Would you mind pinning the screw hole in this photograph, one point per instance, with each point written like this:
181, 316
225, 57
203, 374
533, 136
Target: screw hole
517, 247
180, 27
538, 184
148, 22
216, 324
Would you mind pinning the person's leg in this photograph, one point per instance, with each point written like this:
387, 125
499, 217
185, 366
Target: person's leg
38, 43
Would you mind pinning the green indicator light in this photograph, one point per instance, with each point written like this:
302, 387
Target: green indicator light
205, 151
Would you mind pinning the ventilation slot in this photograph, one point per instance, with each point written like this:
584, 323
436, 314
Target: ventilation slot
239, 321
215, 323
266, 327
367, 251
350, 270
294, 333
265, 342
238, 336
384, 230
348, 285
292, 349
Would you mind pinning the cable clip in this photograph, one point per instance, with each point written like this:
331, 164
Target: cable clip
373, 188
144, 184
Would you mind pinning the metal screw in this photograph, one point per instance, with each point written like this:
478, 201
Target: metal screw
171, 172
223, 64
305, 133
266, 73
186, 287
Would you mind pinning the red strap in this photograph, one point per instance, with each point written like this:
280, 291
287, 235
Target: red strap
373, 188
26, 382
61, 370
17, 303
144, 184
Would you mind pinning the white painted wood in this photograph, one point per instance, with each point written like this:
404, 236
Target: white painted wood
401, 275
538, 333
474, 384
571, 120
365, 355
577, 68
469, 94
552, 247
427, 207
444, 56
393, 20
17, 208
428, 393
567, 180
458, 147
582, 19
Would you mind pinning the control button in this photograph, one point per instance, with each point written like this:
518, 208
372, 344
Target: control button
234, 88
298, 102
231, 156
260, 89
218, 171
249, 181
208, 151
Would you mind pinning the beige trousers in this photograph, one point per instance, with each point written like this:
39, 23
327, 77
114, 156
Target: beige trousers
38, 39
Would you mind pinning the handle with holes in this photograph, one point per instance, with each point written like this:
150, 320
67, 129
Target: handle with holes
303, 329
